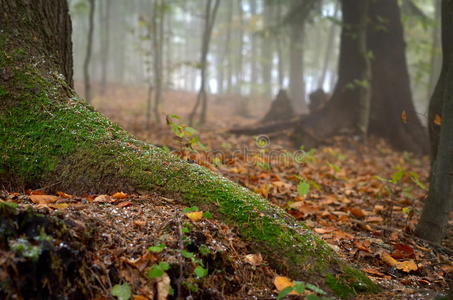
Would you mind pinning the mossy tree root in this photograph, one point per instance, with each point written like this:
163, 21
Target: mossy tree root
49, 137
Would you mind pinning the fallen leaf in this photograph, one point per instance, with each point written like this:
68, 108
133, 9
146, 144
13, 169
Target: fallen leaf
43, 199
402, 251
124, 204
362, 246
195, 216
324, 230
447, 268
404, 116
119, 195
58, 206
282, 282
437, 120
405, 266
139, 297
254, 259
357, 212
374, 219
63, 195
373, 272
139, 223
103, 199
163, 287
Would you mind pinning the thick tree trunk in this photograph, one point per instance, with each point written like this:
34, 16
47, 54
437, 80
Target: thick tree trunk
49, 137
439, 204
391, 91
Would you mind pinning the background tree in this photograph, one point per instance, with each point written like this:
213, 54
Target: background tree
433, 222
89, 50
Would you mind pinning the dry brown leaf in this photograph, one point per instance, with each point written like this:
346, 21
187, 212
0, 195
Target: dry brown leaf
282, 282
357, 212
324, 230
254, 259
43, 199
405, 266
139, 297
404, 116
63, 195
139, 223
163, 287
103, 199
120, 195
124, 204
374, 219
373, 272
58, 206
437, 120
195, 216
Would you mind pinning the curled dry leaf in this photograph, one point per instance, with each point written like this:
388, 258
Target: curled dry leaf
357, 212
372, 271
103, 199
195, 216
64, 195
405, 266
254, 259
124, 204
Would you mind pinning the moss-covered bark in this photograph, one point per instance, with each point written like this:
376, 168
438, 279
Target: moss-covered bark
49, 137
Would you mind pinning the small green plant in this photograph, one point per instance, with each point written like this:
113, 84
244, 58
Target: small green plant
188, 136
303, 188
190, 209
121, 291
157, 249
157, 270
299, 287
200, 272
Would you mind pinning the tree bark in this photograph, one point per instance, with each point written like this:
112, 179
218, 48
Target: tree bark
105, 44
49, 137
434, 219
89, 50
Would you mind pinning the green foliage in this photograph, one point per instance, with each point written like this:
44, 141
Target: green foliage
157, 249
190, 209
303, 188
157, 270
299, 287
25, 248
122, 291
200, 272
188, 136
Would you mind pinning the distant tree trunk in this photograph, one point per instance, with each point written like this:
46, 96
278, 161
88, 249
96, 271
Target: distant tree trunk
228, 60
89, 50
254, 52
280, 46
434, 219
391, 91
329, 50
436, 59
210, 15
157, 29
267, 50
296, 68
239, 58
105, 44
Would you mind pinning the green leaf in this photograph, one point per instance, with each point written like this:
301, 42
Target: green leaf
187, 254
299, 287
157, 249
164, 266
185, 229
155, 272
207, 215
315, 289
190, 209
122, 291
396, 177
303, 188
204, 250
191, 131
285, 292
200, 272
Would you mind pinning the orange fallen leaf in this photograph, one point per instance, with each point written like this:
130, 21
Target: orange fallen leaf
119, 195
58, 206
373, 272
139, 223
341, 235
35, 192
43, 199
124, 204
362, 246
195, 216
437, 120
282, 282
402, 251
357, 212
447, 268
404, 116
324, 230
64, 195
405, 266
139, 297
374, 219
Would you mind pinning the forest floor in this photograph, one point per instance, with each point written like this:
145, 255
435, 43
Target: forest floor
364, 200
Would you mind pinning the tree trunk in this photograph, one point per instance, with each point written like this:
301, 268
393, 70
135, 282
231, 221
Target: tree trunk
267, 51
254, 52
158, 23
391, 92
433, 222
296, 68
49, 137
89, 50
105, 44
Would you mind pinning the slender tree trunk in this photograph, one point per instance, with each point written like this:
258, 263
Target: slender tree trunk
433, 222
89, 50
329, 50
254, 52
71, 147
296, 68
105, 45
158, 38
267, 51
436, 59
228, 60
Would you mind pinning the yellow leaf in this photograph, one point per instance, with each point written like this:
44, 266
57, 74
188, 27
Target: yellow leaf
404, 116
437, 120
405, 266
388, 259
195, 216
282, 282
